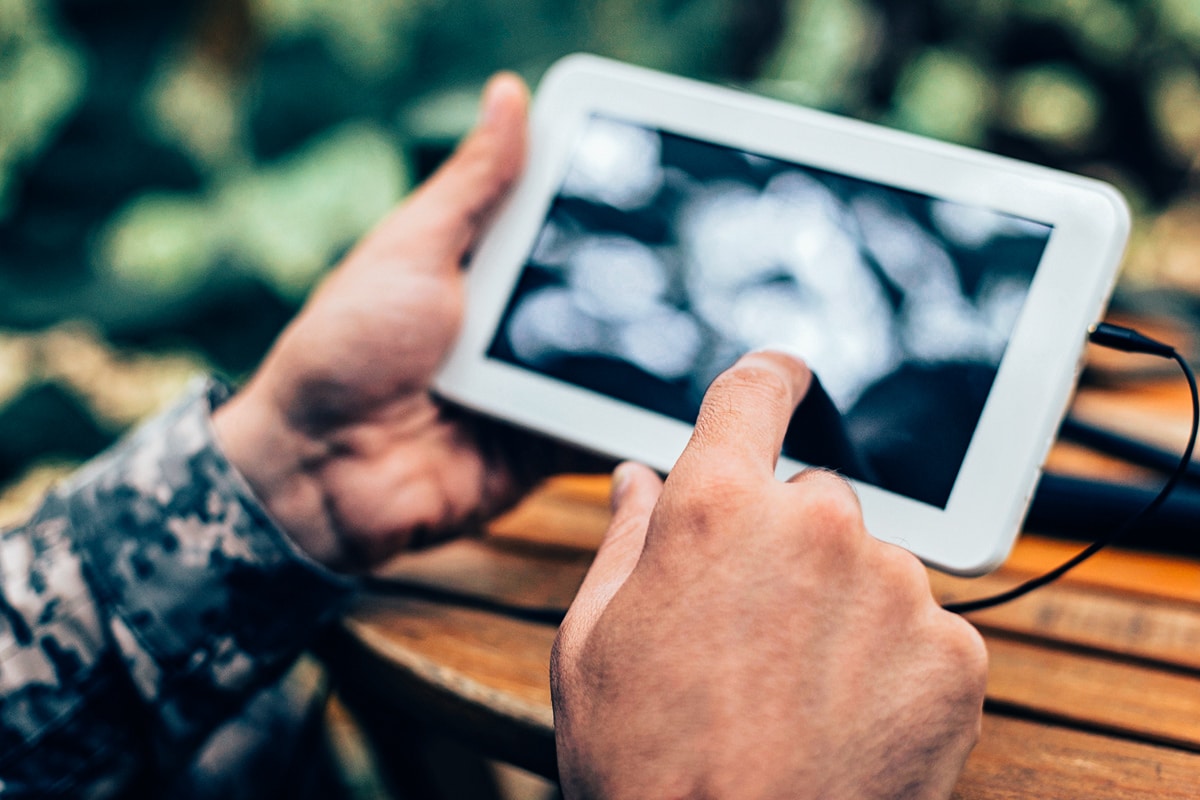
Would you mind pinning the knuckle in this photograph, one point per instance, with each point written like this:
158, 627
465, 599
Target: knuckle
830, 501
969, 647
706, 496
834, 539
963, 653
904, 571
901, 595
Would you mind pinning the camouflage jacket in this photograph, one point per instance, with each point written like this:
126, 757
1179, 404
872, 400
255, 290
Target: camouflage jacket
147, 601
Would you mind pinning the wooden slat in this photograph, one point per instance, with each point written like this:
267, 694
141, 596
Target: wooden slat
1158, 412
506, 571
568, 511
1133, 625
1020, 760
493, 659
1130, 699
479, 678
1066, 458
572, 511
1168, 577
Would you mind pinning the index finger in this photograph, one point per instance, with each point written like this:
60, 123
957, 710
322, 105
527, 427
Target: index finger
746, 411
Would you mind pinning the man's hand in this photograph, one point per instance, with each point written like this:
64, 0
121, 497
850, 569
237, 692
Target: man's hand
337, 431
742, 637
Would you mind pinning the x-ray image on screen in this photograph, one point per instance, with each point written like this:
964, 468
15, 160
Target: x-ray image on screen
664, 258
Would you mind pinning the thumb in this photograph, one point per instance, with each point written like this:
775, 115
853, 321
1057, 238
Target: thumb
636, 489
451, 207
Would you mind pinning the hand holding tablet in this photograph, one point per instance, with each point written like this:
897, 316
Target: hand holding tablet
663, 228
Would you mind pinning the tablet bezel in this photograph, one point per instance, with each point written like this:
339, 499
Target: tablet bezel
974, 533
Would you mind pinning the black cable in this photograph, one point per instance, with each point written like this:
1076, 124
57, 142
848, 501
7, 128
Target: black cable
1129, 341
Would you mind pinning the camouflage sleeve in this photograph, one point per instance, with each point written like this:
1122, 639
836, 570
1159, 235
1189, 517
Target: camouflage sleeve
140, 606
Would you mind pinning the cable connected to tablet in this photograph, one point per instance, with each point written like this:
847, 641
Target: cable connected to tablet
1129, 341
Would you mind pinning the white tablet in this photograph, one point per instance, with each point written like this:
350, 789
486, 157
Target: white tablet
663, 227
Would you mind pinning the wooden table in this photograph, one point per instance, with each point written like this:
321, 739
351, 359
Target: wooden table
1093, 689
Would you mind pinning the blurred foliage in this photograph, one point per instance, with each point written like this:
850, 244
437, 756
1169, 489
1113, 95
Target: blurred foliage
174, 177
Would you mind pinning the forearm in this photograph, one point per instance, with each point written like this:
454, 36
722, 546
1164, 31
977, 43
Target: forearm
142, 605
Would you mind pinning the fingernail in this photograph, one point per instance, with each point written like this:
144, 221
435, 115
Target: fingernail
799, 373
768, 353
621, 478
771, 357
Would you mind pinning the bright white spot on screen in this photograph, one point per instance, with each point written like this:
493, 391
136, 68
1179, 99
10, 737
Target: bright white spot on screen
913, 259
616, 278
802, 191
855, 321
778, 316
778, 269
732, 234
616, 164
838, 277
849, 349
969, 226
951, 328
1001, 301
664, 343
941, 329
973, 227
725, 240
805, 212
548, 323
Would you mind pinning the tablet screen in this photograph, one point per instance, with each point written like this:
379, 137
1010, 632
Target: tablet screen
663, 258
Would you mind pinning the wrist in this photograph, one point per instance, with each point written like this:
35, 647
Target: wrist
282, 466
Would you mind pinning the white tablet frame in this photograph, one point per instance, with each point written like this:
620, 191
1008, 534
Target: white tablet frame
977, 528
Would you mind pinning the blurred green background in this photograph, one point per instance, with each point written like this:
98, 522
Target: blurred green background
175, 177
